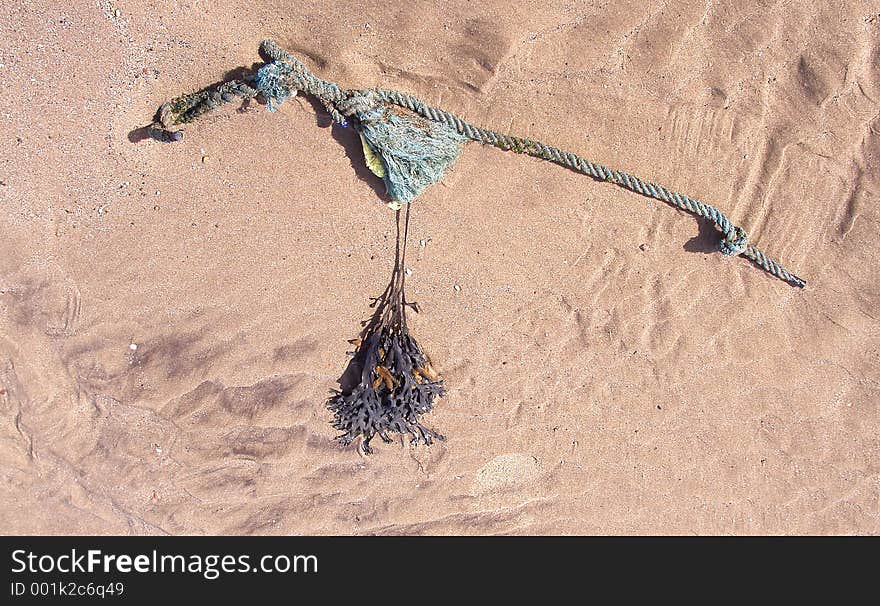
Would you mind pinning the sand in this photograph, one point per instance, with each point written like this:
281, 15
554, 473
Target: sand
173, 316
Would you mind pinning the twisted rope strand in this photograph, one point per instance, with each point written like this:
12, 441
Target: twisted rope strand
735, 241
296, 76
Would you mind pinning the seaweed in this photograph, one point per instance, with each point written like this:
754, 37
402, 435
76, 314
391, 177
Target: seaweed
389, 382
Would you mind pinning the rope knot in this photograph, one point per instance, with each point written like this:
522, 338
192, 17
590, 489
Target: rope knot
366, 107
734, 242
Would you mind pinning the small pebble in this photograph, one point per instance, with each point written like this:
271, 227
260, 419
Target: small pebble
158, 192
457, 288
133, 346
117, 13
408, 271
205, 159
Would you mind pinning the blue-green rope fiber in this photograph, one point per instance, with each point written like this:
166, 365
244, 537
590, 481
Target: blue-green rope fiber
289, 75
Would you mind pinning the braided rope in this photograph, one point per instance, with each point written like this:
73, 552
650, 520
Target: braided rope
298, 77
734, 242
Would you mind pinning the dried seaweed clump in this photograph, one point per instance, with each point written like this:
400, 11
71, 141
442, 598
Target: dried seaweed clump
389, 383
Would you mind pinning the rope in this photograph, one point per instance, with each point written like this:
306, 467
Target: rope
285, 73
